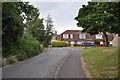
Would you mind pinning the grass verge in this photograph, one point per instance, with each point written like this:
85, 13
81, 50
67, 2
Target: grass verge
101, 62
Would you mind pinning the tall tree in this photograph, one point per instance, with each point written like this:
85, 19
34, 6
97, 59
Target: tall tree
37, 30
95, 18
13, 15
49, 31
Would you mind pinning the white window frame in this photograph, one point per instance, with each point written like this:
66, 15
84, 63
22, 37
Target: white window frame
65, 36
81, 36
71, 36
98, 36
72, 42
110, 42
53, 38
67, 42
101, 42
79, 42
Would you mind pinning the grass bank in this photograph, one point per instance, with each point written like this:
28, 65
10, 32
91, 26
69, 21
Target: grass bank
101, 62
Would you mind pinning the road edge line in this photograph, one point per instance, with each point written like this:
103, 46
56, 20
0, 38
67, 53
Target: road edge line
60, 65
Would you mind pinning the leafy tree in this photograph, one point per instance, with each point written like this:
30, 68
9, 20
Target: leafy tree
96, 17
115, 9
12, 25
13, 16
49, 31
37, 30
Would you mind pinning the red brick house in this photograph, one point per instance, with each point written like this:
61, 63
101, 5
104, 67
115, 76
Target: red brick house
76, 37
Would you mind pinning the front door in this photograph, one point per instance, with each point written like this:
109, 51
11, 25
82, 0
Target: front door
72, 43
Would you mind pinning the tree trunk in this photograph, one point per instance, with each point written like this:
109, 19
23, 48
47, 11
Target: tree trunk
106, 39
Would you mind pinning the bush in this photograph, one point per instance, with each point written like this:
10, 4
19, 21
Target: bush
11, 59
29, 47
22, 56
97, 42
24, 47
59, 44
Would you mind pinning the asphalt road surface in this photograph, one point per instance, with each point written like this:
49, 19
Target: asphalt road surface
56, 63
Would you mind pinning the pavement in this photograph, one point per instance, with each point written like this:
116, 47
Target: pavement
56, 63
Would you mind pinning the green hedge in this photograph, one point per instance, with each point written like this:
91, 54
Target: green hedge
96, 41
59, 44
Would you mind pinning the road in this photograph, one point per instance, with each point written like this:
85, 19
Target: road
56, 63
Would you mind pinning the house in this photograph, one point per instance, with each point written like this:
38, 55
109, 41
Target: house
116, 40
54, 36
76, 37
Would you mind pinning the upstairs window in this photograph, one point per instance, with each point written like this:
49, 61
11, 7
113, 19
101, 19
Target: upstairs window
82, 36
71, 36
98, 36
65, 35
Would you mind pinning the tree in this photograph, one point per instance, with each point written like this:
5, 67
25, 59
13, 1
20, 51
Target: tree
13, 15
115, 9
49, 31
37, 30
95, 18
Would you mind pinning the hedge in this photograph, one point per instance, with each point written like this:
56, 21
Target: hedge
59, 44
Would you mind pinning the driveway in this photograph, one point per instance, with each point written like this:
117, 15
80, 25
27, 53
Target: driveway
56, 63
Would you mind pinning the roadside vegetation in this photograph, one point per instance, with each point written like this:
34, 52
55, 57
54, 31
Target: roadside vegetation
101, 62
59, 44
99, 17
23, 33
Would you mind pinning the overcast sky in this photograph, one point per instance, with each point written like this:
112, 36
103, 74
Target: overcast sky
62, 13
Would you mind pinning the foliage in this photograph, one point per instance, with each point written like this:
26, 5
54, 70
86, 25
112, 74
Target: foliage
13, 16
96, 41
39, 32
101, 62
97, 17
59, 44
12, 25
22, 56
11, 59
36, 29
49, 32
24, 47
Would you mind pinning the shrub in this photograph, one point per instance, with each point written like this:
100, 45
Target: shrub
22, 56
29, 47
11, 59
24, 47
97, 42
59, 44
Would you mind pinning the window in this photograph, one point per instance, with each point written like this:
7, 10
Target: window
67, 42
53, 38
72, 42
79, 42
98, 36
110, 42
83, 36
65, 35
71, 36
101, 42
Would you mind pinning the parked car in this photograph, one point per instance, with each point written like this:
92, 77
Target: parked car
88, 44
